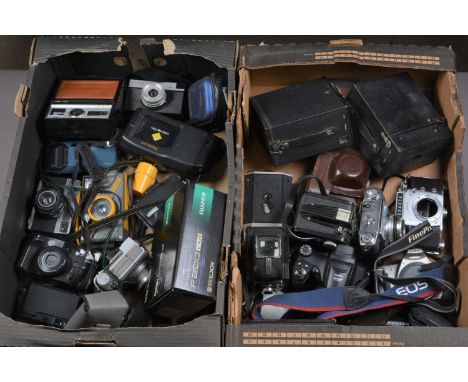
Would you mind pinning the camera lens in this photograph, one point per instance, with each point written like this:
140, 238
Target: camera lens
153, 95
426, 208
51, 260
48, 202
102, 207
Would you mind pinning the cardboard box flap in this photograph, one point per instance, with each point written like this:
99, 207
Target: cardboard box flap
387, 55
47, 47
223, 54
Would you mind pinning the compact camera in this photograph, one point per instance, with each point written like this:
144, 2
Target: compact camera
163, 97
325, 217
420, 199
267, 245
53, 208
128, 265
63, 158
111, 199
85, 109
56, 262
378, 227
313, 269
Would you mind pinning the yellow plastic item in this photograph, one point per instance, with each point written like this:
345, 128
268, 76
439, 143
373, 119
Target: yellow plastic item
145, 177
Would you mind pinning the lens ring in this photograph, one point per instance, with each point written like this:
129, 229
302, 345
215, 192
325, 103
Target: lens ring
153, 95
51, 260
102, 207
48, 202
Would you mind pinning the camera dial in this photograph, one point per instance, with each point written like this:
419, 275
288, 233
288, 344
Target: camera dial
153, 95
51, 261
48, 202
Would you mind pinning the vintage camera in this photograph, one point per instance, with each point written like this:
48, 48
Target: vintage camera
163, 97
53, 208
396, 127
63, 158
111, 199
128, 265
85, 110
265, 241
54, 261
325, 217
172, 145
420, 199
313, 269
378, 226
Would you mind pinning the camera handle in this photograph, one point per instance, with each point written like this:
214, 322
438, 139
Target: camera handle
291, 201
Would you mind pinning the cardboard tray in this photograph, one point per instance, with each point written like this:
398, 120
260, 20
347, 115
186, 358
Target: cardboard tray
53, 57
264, 68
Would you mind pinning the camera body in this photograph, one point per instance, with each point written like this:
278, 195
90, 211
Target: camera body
313, 269
85, 109
419, 199
63, 158
52, 212
54, 261
163, 97
378, 227
267, 245
325, 217
111, 199
128, 265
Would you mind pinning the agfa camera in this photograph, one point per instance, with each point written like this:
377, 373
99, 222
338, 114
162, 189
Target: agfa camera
420, 199
54, 261
378, 227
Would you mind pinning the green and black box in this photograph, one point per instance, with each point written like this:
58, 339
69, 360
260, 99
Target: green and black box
186, 254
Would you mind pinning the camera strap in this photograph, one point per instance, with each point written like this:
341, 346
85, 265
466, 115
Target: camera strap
338, 302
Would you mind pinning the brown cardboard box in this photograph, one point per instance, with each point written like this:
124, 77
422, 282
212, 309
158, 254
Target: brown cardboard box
265, 68
61, 57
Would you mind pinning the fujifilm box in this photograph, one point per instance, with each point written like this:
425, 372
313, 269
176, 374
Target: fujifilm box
186, 254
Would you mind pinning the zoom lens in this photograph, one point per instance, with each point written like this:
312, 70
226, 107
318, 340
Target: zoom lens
48, 202
153, 95
51, 261
102, 207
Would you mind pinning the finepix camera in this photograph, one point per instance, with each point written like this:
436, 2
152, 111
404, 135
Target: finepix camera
128, 265
420, 199
163, 97
265, 241
56, 262
53, 208
313, 268
111, 199
378, 227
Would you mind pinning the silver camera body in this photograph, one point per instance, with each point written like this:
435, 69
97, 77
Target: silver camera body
163, 97
378, 227
410, 266
128, 265
420, 199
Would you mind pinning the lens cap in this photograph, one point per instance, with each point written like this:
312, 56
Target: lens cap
48, 202
51, 260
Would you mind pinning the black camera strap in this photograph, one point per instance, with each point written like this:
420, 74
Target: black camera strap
291, 202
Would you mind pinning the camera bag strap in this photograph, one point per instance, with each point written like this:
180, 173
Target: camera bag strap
337, 302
